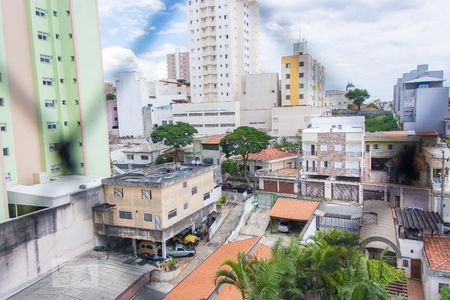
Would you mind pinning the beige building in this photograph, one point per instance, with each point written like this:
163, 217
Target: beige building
156, 203
178, 65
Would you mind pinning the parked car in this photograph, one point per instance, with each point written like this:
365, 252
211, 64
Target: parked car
178, 250
284, 226
446, 228
148, 249
186, 238
243, 188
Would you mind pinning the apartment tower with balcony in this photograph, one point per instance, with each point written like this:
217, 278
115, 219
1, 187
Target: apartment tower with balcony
178, 66
51, 92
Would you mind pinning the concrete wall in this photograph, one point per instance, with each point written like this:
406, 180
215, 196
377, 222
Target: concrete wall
410, 249
430, 282
36, 243
432, 109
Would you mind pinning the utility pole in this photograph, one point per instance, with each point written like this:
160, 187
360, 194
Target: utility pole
299, 170
442, 187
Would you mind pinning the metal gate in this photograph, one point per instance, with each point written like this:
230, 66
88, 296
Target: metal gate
345, 192
286, 187
373, 195
314, 189
270, 186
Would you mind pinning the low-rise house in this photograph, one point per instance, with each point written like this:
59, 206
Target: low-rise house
200, 283
333, 147
156, 203
211, 152
271, 159
144, 154
436, 266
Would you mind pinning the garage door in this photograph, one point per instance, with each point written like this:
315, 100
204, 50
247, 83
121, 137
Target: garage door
286, 187
270, 186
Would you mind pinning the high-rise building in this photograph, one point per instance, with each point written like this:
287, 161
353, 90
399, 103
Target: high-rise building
302, 78
224, 38
421, 100
178, 65
51, 90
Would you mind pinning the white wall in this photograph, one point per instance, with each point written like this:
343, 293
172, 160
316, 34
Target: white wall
132, 94
430, 283
208, 118
406, 246
310, 229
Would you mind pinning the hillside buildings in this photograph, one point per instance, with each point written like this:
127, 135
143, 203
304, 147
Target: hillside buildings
336, 99
302, 78
421, 100
51, 92
178, 66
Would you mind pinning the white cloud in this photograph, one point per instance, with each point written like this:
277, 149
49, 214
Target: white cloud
176, 28
109, 7
119, 59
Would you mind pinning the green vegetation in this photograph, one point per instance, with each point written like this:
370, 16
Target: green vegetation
162, 159
381, 123
243, 141
284, 144
373, 105
177, 136
110, 97
358, 96
231, 167
221, 201
333, 266
445, 293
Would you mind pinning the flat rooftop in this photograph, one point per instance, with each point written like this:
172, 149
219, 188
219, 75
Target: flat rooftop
91, 276
56, 188
158, 176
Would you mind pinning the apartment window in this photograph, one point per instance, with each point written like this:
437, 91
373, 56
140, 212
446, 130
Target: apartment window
78, 123
288, 86
211, 125
55, 13
2, 102
367, 148
194, 190
211, 114
47, 81
3, 127
302, 96
82, 164
324, 164
68, 12
147, 217
40, 12
302, 64
390, 147
118, 192
288, 76
337, 147
185, 184
63, 102
228, 113
144, 157
5, 151
42, 36
405, 263
146, 194
45, 58
288, 65
52, 147
72, 58
324, 147
49, 103
172, 214
125, 215
57, 36
302, 75
74, 80
288, 97
228, 125
376, 146
51, 125
59, 58
66, 123
302, 85
130, 156
206, 196
185, 206
61, 80
337, 165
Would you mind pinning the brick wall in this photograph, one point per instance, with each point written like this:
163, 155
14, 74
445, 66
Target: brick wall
331, 156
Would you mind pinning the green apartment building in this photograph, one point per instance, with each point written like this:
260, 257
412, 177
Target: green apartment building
51, 92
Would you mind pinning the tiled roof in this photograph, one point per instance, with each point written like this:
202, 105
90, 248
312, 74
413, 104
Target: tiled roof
213, 139
200, 284
437, 251
292, 209
271, 154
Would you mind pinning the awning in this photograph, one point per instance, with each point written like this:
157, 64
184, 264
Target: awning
104, 207
416, 218
293, 209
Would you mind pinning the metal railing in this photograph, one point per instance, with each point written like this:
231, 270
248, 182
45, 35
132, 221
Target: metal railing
353, 153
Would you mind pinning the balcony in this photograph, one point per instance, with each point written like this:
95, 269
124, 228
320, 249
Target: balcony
352, 172
309, 153
353, 154
310, 170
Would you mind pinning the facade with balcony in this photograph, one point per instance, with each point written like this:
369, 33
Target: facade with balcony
333, 147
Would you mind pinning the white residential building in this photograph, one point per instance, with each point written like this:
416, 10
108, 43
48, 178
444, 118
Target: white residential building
178, 65
333, 146
336, 99
209, 118
224, 38
260, 93
132, 97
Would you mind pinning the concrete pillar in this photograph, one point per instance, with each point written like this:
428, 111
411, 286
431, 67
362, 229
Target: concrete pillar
278, 186
133, 243
401, 196
193, 228
163, 249
360, 194
385, 193
328, 189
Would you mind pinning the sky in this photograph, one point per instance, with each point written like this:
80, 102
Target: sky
367, 42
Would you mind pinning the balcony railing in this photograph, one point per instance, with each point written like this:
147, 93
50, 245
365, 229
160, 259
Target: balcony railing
309, 153
383, 153
353, 153
353, 172
311, 170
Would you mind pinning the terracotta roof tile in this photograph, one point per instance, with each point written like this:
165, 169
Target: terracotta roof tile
200, 283
292, 209
213, 139
437, 251
271, 154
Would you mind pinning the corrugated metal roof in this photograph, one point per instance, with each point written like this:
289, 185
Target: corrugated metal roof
416, 218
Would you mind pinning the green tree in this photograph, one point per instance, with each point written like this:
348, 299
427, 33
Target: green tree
177, 136
284, 144
110, 97
445, 293
243, 141
231, 167
161, 159
373, 105
358, 96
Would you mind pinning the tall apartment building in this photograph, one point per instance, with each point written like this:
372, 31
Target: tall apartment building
132, 96
178, 66
224, 38
302, 78
421, 100
334, 147
51, 89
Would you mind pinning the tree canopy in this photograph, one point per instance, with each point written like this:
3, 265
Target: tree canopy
358, 96
177, 135
243, 141
110, 97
